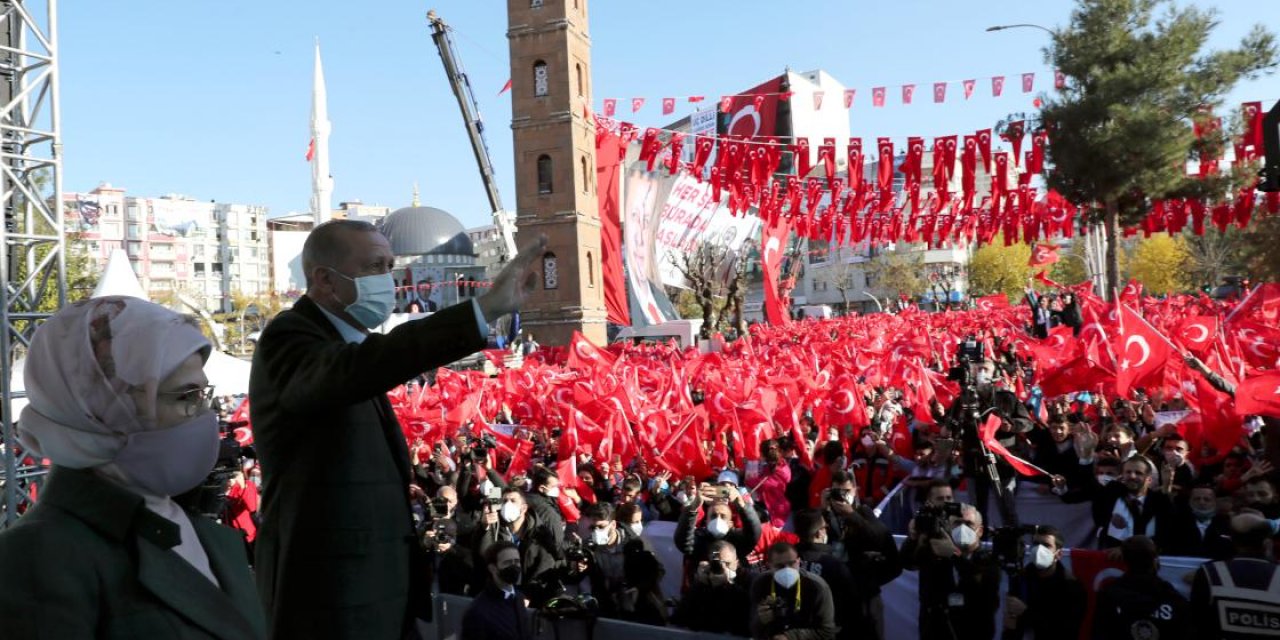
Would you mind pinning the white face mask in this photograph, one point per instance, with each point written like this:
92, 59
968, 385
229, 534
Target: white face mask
1204, 515
170, 461
964, 536
786, 577
718, 527
510, 512
637, 528
1105, 479
868, 442
1042, 557
375, 298
553, 492
681, 497
600, 536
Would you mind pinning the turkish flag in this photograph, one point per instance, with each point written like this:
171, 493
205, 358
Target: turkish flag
1141, 351
817, 100
908, 90
311, 150
505, 88
968, 88
993, 302
848, 97
1252, 112
1131, 292
584, 355
1259, 395
877, 97
1196, 333
997, 86
885, 168
988, 433
1044, 255
939, 92
668, 106
1059, 80
636, 104
1263, 301
773, 245
1094, 569
1028, 81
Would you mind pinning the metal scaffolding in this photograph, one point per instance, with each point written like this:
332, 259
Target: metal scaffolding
32, 259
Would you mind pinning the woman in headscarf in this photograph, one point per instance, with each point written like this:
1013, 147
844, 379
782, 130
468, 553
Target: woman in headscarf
120, 405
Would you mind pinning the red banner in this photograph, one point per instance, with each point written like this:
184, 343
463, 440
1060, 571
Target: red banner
773, 244
609, 152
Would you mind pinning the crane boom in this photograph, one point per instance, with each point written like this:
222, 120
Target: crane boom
461, 86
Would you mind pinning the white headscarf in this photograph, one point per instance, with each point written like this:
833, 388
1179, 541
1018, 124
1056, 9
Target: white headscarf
92, 374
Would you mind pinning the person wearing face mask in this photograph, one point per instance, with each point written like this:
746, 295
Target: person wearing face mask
1198, 530
544, 571
959, 584
337, 557
631, 518
120, 405
722, 505
499, 611
788, 603
1141, 604
718, 598
607, 541
543, 499
869, 551
818, 556
1044, 602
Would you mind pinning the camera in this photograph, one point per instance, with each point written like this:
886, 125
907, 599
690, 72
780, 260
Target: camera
716, 567
1009, 546
932, 521
493, 497
576, 551
480, 447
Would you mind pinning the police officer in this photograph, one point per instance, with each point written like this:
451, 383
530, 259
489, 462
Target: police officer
1237, 598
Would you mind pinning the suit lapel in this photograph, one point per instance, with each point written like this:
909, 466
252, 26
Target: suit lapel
176, 583
227, 557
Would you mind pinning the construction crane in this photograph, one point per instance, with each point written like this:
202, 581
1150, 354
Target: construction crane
502, 219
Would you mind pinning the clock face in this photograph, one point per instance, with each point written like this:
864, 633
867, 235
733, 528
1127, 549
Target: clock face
550, 274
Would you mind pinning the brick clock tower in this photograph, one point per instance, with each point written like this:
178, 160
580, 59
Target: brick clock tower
555, 149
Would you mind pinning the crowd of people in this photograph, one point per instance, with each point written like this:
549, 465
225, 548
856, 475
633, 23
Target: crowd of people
349, 526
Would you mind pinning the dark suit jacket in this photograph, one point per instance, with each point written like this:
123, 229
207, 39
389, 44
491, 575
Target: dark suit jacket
1157, 507
336, 542
1185, 539
90, 561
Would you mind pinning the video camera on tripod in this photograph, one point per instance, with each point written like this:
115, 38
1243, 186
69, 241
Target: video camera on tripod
932, 521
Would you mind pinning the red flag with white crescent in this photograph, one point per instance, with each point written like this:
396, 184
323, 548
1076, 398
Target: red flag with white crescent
1043, 255
1141, 351
988, 434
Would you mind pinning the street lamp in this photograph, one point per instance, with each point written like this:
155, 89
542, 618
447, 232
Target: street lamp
1002, 27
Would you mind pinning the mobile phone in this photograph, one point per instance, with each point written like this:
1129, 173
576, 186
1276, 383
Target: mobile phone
722, 492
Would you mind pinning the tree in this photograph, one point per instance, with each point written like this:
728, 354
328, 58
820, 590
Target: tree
716, 279
1120, 131
1160, 264
996, 268
892, 273
1071, 267
840, 275
1259, 257
1217, 254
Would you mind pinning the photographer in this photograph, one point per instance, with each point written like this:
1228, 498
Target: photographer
1044, 599
718, 599
606, 541
723, 505
512, 521
788, 603
818, 556
959, 585
979, 396
869, 551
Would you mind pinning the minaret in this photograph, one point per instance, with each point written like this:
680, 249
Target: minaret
321, 179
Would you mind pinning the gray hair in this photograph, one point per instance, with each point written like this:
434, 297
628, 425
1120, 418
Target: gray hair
970, 511
324, 246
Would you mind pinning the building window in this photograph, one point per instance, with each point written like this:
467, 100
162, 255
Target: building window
539, 79
544, 174
582, 85
591, 271
586, 175
550, 271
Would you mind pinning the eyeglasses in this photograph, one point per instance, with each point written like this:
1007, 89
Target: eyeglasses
193, 400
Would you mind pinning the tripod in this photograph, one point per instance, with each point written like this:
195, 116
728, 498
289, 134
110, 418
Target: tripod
980, 465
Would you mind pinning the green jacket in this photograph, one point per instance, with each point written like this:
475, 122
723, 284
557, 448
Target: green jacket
90, 561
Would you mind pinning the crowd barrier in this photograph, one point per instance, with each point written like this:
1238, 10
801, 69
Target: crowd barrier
901, 598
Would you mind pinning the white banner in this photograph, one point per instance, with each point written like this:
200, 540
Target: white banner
689, 219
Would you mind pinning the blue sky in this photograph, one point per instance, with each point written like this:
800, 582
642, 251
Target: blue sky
212, 99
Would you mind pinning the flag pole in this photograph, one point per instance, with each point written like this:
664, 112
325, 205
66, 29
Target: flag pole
1241, 305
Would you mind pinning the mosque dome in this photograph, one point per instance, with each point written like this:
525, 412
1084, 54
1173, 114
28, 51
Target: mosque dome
417, 231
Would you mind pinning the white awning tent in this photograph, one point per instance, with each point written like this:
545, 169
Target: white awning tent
229, 375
